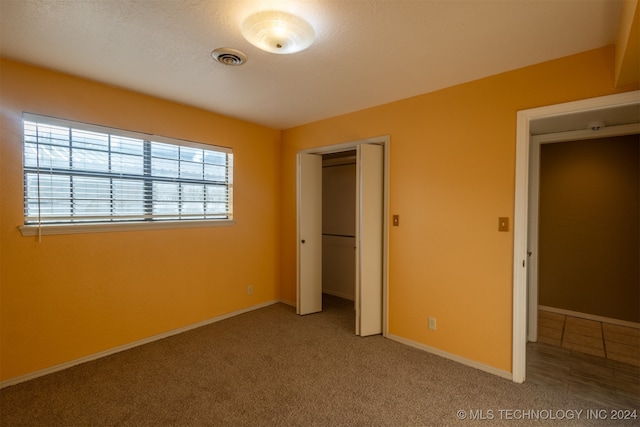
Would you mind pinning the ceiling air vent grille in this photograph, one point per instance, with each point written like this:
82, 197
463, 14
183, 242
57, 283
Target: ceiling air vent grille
229, 56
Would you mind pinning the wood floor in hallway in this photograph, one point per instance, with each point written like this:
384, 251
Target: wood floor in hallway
597, 361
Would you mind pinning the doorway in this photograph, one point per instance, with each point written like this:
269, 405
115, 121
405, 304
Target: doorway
368, 232
587, 180
572, 118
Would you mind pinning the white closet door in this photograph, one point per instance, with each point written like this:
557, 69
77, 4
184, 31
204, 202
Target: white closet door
309, 284
369, 239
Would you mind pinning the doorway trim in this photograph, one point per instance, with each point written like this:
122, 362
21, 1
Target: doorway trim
385, 141
521, 206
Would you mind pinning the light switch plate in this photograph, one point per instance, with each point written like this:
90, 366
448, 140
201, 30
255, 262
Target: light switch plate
396, 220
503, 223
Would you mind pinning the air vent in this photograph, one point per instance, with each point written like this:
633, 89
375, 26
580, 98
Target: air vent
229, 56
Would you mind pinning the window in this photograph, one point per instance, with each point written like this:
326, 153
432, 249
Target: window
79, 174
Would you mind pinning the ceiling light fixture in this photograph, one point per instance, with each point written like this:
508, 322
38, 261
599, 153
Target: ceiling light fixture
278, 32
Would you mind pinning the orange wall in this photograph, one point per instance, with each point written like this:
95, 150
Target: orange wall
452, 175
75, 295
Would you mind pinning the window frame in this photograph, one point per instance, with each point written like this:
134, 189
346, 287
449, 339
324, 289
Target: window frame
43, 228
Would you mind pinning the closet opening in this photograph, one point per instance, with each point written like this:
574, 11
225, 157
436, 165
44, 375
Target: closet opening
342, 197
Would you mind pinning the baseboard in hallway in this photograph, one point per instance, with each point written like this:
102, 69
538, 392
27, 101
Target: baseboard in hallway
602, 339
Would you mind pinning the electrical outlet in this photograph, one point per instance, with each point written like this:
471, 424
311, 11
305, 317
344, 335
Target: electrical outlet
250, 289
432, 323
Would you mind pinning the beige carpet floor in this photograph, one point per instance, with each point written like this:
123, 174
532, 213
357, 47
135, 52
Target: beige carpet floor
273, 368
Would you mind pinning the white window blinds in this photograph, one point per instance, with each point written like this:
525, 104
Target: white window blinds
79, 173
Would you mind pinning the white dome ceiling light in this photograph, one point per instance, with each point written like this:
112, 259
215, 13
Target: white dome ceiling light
278, 32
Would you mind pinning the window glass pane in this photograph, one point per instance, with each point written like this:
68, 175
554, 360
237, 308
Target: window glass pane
191, 170
30, 132
30, 154
192, 193
165, 151
164, 208
193, 208
162, 167
47, 134
90, 140
128, 190
191, 154
75, 174
216, 199
52, 157
216, 208
216, 193
120, 144
215, 173
215, 158
91, 196
163, 192
90, 160
127, 164
54, 193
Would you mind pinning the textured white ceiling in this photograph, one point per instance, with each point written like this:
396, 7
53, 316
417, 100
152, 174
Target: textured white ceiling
366, 53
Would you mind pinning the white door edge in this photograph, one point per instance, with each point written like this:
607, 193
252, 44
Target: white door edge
309, 229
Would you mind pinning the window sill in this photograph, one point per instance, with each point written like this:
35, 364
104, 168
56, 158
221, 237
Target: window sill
49, 229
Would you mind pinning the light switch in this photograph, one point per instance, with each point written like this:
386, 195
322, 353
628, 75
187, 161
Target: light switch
503, 223
396, 220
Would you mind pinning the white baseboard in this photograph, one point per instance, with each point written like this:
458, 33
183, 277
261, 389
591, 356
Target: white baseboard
590, 316
69, 364
455, 358
286, 301
338, 294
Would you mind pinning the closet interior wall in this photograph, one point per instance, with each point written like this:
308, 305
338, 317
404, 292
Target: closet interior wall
338, 224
